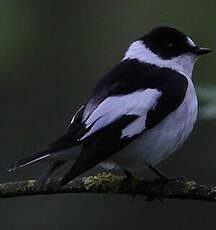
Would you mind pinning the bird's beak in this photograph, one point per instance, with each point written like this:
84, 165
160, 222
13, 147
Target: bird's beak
201, 51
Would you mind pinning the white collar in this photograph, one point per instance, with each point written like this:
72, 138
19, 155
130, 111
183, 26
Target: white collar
182, 64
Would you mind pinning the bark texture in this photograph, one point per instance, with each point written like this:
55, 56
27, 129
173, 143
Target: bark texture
111, 184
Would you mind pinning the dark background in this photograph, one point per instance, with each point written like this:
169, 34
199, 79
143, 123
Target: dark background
51, 54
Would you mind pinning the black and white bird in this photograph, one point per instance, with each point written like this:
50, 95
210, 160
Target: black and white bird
138, 114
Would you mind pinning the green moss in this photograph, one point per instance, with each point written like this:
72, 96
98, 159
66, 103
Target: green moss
109, 183
102, 183
189, 185
30, 183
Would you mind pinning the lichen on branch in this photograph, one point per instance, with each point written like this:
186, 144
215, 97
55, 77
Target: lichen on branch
177, 188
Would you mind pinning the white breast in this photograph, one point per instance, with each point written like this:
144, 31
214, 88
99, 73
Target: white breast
159, 142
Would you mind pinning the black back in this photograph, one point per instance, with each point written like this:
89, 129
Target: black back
132, 75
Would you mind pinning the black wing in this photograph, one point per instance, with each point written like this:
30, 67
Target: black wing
106, 128
119, 85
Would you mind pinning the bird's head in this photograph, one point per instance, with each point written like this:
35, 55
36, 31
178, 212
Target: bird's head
167, 47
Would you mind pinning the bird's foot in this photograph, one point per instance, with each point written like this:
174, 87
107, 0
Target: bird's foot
159, 173
161, 185
38, 186
162, 176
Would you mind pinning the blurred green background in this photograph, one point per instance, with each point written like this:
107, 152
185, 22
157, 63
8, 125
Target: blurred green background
51, 54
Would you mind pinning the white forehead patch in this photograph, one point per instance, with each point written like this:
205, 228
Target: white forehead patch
191, 42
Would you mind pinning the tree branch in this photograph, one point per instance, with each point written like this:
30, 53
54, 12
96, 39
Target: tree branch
111, 184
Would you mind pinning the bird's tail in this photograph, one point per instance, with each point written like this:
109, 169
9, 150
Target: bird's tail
64, 142
29, 160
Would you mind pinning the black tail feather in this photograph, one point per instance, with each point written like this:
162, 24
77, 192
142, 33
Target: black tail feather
64, 142
38, 156
28, 160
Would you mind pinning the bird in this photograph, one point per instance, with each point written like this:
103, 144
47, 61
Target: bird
138, 113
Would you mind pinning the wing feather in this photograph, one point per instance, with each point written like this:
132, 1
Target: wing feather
112, 108
128, 100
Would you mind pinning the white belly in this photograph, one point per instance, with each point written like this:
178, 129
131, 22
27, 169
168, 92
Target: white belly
159, 142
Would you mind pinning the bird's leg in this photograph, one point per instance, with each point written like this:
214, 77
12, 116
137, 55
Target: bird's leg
54, 165
127, 182
159, 172
163, 178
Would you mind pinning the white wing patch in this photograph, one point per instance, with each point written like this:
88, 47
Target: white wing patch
150, 101
137, 103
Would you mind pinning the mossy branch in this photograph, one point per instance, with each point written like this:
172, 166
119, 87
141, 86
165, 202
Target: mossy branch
111, 184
